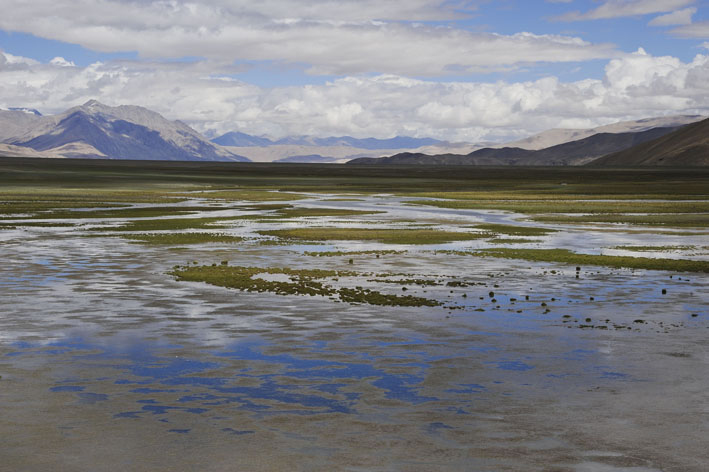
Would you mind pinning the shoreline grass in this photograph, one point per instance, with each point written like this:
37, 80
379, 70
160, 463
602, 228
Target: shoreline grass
300, 282
388, 236
565, 256
512, 230
569, 206
687, 220
182, 238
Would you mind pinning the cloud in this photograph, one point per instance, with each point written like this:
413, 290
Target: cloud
634, 86
698, 30
326, 37
623, 8
679, 17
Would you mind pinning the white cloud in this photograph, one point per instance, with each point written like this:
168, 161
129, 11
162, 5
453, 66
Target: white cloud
634, 86
699, 30
679, 17
328, 37
622, 8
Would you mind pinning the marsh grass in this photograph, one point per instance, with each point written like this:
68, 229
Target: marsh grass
567, 257
655, 248
315, 212
300, 282
141, 212
683, 220
351, 253
246, 195
388, 236
17, 207
513, 241
515, 230
165, 224
571, 206
35, 224
182, 238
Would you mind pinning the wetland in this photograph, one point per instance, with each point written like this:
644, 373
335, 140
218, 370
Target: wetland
182, 316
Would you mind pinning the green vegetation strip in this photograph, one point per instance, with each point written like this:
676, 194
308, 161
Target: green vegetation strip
350, 253
571, 206
167, 224
299, 282
688, 220
182, 238
248, 195
567, 257
515, 230
35, 224
389, 236
655, 248
513, 241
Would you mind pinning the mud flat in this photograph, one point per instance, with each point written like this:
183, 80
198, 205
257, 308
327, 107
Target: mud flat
264, 333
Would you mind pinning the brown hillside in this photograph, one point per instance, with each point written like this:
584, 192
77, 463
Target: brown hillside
688, 146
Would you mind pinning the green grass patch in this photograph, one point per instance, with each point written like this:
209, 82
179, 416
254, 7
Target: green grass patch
571, 206
246, 195
515, 230
33, 207
166, 224
513, 241
660, 248
182, 238
35, 224
292, 282
141, 212
691, 220
567, 257
351, 253
389, 236
313, 212
288, 213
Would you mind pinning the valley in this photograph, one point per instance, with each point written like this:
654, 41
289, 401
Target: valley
352, 317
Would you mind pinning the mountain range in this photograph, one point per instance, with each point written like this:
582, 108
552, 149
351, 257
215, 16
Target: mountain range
687, 146
94, 130
399, 142
577, 152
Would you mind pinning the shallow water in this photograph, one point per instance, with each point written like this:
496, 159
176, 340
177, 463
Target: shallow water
111, 364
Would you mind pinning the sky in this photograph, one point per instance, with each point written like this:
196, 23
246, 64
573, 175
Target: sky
455, 70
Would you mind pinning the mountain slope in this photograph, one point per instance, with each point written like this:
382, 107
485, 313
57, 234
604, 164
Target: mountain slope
687, 146
16, 122
94, 130
572, 153
558, 136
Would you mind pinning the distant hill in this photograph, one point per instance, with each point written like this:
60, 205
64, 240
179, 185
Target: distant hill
309, 159
687, 146
238, 139
572, 153
557, 136
94, 130
235, 138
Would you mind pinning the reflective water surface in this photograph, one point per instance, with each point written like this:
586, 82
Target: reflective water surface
108, 363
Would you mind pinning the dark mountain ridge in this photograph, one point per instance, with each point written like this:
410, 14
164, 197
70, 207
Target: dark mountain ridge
686, 146
577, 152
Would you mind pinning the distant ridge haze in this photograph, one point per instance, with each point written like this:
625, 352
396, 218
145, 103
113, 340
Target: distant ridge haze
399, 142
